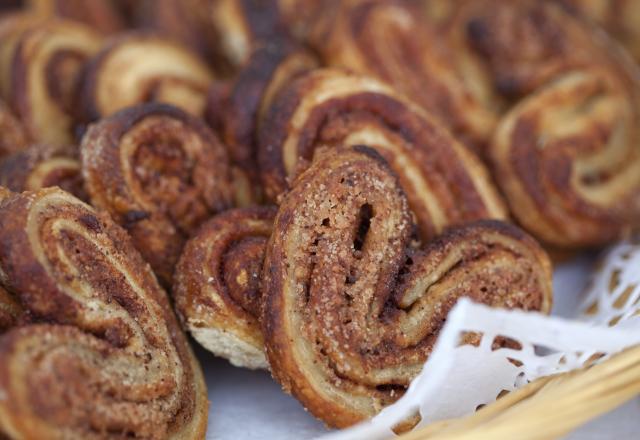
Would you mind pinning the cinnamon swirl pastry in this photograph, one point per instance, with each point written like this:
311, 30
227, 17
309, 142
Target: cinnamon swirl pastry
444, 182
237, 113
566, 152
43, 166
160, 173
42, 76
217, 284
100, 331
157, 70
12, 134
351, 310
388, 40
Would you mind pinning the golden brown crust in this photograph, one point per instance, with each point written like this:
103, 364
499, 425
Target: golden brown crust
43, 166
445, 183
46, 60
238, 112
216, 288
351, 312
388, 40
13, 136
157, 70
160, 173
565, 152
110, 336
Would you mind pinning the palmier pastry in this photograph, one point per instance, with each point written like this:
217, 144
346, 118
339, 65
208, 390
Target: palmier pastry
13, 136
350, 311
43, 166
160, 173
444, 182
388, 40
102, 355
217, 284
237, 113
43, 74
157, 70
566, 153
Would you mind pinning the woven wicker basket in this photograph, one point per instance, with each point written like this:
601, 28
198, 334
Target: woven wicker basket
549, 407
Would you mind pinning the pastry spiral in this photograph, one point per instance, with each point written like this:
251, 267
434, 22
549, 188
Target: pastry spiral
217, 284
13, 136
160, 173
444, 182
43, 166
239, 112
388, 40
566, 151
43, 77
351, 310
102, 355
157, 70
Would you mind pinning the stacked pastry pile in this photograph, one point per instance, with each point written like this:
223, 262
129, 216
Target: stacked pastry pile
310, 184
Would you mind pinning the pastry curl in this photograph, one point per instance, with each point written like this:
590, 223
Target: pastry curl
388, 40
444, 182
101, 330
157, 70
160, 173
567, 158
13, 136
351, 312
565, 152
238, 112
43, 166
217, 284
43, 74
